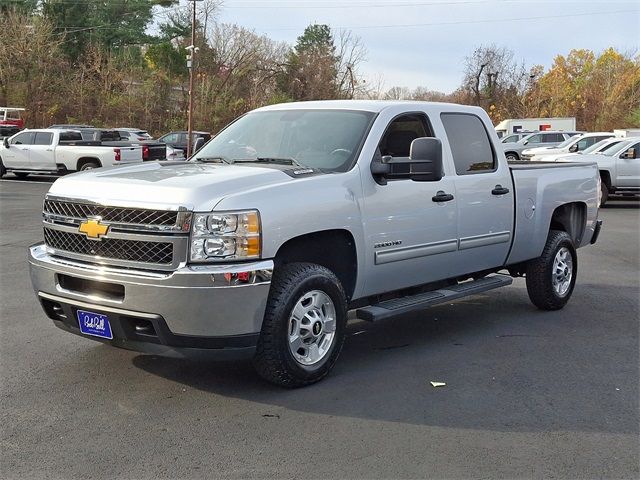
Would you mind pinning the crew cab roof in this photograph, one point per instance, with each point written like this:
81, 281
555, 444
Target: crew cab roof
375, 106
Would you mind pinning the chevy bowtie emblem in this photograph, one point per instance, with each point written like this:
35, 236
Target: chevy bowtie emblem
93, 229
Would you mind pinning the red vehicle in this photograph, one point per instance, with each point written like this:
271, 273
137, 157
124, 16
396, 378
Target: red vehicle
10, 121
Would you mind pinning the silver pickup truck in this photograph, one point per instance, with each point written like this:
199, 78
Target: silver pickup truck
295, 214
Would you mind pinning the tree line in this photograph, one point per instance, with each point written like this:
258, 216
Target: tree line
83, 61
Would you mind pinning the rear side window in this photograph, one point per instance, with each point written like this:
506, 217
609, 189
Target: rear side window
43, 138
25, 138
70, 136
469, 142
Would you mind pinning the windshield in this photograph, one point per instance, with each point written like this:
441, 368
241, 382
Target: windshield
569, 141
596, 146
610, 152
327, 140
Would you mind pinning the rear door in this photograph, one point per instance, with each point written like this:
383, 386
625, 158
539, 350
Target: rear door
17, 155
42, 156
484, 193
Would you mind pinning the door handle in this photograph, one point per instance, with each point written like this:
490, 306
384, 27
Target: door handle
440, 196
499, 190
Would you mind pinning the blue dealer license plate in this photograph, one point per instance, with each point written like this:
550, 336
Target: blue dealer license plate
94, 324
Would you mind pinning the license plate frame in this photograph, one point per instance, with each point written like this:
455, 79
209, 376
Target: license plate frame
94, 324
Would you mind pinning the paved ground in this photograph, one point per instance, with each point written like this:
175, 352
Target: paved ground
529, 394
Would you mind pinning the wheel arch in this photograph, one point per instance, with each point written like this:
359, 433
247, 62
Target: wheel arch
572, 219
334, 249
84, 160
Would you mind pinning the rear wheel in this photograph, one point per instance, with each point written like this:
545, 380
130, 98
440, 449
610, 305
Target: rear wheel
512, 157
89, 165
552, 276
304, 326
2, 169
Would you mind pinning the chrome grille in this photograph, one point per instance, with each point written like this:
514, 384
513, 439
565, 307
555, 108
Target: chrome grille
122, 215
113, 248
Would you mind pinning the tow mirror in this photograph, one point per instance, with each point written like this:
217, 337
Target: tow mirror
6, 142
424, 163
573, 148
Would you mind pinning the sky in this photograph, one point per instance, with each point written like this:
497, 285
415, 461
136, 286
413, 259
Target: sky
424, 42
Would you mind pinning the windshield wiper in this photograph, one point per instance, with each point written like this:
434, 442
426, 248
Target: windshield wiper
281, 161
218, 159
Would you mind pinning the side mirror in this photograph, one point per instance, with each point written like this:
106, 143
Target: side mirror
525, 142
573, 148
198, 144
424, 163
6, 142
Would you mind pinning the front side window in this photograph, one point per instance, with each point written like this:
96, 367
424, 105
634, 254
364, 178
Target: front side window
535, 139
24, 138
328, 140
470, 144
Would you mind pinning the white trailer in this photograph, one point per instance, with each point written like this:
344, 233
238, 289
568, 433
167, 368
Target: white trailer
515, 125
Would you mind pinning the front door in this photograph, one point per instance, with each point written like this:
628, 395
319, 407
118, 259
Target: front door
411, 239
484, 194
628, 168
17, 155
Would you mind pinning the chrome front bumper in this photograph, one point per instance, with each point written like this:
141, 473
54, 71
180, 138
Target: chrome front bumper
194, 301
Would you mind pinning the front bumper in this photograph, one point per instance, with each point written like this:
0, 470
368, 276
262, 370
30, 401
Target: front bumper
193, 310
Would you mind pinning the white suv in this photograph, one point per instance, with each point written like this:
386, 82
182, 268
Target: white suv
571, 145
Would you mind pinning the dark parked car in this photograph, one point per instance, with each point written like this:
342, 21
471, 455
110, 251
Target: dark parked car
179, 139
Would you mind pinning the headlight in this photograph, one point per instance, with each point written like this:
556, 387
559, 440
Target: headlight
225, 236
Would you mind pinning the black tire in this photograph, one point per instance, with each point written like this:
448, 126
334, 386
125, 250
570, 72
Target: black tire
21, 175
89, 165
2, 169
540, 273
512, 157
274, 360
604, 193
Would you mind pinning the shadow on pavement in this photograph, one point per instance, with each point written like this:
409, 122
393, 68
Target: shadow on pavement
508, 367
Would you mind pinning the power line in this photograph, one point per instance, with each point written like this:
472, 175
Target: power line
462, 22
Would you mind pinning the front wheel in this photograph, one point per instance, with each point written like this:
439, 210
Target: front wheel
2, 169
552, 276
304, 326
604, 193
512, 157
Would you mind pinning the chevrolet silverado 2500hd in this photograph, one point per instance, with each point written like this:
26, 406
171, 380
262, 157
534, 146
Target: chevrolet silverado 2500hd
60, 151
295, 214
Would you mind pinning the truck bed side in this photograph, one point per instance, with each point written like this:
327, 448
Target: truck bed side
540, 189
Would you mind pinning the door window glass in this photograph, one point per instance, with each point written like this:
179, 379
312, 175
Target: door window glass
24, 138
469, 142
43, 138
534, 139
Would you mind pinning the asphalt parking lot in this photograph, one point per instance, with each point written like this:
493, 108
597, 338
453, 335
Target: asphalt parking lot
528, 394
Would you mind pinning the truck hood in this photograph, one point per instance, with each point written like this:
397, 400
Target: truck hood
196, 186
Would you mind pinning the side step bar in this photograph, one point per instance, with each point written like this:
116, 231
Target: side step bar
421, 301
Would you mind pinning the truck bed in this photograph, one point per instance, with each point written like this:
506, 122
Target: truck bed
540, 188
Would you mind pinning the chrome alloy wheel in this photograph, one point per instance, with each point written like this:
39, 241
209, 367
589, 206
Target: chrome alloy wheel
562, 271
312, 327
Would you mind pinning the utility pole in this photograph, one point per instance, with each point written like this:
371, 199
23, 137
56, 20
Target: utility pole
191, 65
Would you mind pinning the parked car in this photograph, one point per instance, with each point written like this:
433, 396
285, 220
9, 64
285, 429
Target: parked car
133, 134
11, 121
515, 137
178, 140
619, 167
151, 149
574, 144
513, 151
294, 214
59, 151
599, 147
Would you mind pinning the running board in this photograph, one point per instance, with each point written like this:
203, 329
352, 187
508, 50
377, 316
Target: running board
413, 303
